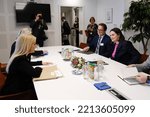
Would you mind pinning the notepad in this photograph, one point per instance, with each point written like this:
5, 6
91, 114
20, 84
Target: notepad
84, 52
48, 73
128, 74
98, 62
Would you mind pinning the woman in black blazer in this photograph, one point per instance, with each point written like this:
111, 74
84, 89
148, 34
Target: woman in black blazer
121, 50
19, 69
36, 53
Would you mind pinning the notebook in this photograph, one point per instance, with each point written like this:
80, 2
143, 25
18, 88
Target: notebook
83, 52
128, 74
98, 62
51, 72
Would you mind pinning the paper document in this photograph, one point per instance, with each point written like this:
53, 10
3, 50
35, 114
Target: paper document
129, 71
51, 72
128, 74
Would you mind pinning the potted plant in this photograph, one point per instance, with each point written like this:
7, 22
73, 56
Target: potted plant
138, 20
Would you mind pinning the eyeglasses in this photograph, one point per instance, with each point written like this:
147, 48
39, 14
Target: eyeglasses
100, 30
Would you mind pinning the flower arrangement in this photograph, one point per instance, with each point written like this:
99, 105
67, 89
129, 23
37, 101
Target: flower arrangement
77, 62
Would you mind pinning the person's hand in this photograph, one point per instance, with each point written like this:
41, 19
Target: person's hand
132, 65
86, 49
46, 63
142, 78
37, 17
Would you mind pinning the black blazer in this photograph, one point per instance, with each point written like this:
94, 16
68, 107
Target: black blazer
125, 53
20, 76
38, 28
105, 43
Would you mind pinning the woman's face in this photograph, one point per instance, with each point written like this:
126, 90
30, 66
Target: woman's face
33, 47
92, 21
114, 37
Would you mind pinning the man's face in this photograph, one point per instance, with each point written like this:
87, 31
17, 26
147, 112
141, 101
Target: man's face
100, 30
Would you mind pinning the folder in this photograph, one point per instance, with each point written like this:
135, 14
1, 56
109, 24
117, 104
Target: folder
102, 86
48, 73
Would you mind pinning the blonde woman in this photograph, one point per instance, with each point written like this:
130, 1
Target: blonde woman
35, 53
19, 69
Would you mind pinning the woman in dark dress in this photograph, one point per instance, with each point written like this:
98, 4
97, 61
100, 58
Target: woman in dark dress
91, 30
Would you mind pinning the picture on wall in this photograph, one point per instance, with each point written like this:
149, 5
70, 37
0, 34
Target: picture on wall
109, 15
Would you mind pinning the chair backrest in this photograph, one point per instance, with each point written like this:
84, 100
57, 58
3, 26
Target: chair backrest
83, 45
2, 78
143, 58
25, 95
3, 68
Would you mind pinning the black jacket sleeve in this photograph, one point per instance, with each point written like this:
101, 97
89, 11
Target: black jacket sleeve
38, 53
26, 68
135, 55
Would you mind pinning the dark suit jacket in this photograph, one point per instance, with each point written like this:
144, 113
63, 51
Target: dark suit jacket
20, 76
66, 28
103, 50
125, 53
38, 28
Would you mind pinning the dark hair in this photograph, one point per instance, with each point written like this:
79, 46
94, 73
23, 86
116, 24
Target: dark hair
38, 12
63, 18
103, 25
118, 32
91, 19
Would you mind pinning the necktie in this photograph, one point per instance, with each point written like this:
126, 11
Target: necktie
114, 52
98, 45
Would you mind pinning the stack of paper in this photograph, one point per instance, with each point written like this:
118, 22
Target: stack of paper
51, 72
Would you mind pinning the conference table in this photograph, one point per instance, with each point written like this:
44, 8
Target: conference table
75, 87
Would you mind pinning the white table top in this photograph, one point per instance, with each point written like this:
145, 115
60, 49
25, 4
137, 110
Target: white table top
76, 87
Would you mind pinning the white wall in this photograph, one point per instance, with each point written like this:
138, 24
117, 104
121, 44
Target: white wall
118, 11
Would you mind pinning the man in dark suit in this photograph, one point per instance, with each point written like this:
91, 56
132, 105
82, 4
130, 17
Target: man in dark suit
65, 30
100, 43
38, 26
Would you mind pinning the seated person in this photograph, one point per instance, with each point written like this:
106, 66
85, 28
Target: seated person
100, 43
35, 53
121, 50
19, 70
143, 67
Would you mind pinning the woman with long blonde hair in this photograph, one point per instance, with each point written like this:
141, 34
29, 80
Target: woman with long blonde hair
36, 53
19, 69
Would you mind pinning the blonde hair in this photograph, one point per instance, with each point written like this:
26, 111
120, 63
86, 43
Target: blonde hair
24, 44
24, 31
